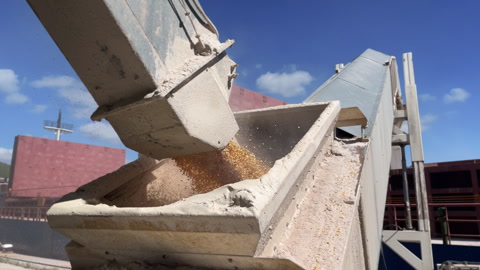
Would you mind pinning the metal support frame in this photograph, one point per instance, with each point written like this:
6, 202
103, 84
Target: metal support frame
416, 146
393, 239
406, 195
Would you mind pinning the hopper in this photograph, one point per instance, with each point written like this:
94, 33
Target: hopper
226, 228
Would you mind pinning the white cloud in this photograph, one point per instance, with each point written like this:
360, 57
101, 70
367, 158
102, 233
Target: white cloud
8, 81
101, 131
82, 105
16, 98
6, 155
285, 84
426, 120
55, 82
9, 85
426, 97
456, 95
72, 90
258, 66
39, 108
82, 112
77, 96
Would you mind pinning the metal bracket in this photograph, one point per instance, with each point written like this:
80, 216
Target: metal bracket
400, 115
393, 240
351, 117
400, 139
339, 67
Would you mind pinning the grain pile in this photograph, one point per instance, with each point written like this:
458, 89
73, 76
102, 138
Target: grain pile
179, 178
214, 169
163, 184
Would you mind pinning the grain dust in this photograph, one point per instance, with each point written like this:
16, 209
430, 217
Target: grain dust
320, 228
177, 179
214, 169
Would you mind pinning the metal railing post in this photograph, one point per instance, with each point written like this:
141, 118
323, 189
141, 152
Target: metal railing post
448, 226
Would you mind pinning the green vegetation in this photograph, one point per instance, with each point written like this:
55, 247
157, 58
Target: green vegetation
4, 170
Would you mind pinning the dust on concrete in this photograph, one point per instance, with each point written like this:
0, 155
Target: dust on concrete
319, 231
189, 63
141, 266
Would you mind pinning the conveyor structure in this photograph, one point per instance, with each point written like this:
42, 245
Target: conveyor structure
161, 78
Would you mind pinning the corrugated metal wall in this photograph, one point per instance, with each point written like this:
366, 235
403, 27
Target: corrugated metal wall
33, 238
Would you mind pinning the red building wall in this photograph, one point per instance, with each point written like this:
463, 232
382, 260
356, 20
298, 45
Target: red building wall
50, 168
242, 99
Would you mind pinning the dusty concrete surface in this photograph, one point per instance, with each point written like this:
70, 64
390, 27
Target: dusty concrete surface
140, 266
13, 261
5, 266
317, 236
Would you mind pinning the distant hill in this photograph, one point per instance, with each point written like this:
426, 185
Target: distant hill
4, 170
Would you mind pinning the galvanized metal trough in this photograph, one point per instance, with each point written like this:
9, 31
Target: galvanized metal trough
227, 228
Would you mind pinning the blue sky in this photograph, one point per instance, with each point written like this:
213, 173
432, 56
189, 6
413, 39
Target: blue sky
285, 49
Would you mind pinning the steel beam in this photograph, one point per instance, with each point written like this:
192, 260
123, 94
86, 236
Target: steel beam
416, 146
394, 239
406, 195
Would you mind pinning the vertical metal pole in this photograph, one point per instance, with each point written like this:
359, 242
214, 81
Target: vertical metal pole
395, 216
448, 226
416, 145
406, 195
421, 196
418, 197
416, 151
443, 224
424, 196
